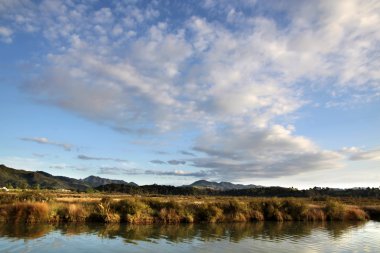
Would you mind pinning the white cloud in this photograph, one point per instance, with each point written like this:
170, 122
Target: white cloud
85, 157
187, 153
237, 154
176, 162
107, 170
158, 162
5, 34
43, 140
357, 154
23, 163
138, 71
180, 173
245, 76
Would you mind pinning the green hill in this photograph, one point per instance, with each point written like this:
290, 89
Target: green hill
220, 186
95, 181
32, 179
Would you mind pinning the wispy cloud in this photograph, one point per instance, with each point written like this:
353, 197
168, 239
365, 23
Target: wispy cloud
85, 157
357, 154
183, 152
161, 152
5, 34
126, 171
181, 173
39, 155
253, 78
46, 141
176, 162
231, 76
157, 162
62, 166
117, 171
171, 162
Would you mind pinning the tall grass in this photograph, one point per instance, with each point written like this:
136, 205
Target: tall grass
103, 212
166, 210
71, 213
24, 212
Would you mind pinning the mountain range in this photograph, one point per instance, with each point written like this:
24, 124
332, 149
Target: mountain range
95, 181
220, 186
26, 179
44, 180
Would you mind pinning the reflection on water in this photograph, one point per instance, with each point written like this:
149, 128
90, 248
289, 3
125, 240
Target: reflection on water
178, 233
245, 237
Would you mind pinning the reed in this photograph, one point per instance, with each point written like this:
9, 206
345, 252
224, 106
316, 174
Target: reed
133, 211
334, 210
72, 213
24, 212
354, 213
173, 210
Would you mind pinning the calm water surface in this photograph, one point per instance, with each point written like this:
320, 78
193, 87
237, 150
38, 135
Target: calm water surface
254, 237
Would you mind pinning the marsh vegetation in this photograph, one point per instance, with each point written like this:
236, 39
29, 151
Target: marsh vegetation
49, 207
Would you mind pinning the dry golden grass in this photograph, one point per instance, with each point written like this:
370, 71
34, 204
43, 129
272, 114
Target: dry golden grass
109, 208
24, 212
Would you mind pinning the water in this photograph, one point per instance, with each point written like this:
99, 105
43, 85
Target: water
253, 237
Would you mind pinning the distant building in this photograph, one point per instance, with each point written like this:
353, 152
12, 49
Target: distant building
4, 189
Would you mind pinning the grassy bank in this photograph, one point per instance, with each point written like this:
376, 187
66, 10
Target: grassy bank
37, 207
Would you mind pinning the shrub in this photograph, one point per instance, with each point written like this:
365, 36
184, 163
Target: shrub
103, 212
295, 209
72, 213
133, 211
169, 215
270, 210
209, 213
334, 210
24, 212
354, 213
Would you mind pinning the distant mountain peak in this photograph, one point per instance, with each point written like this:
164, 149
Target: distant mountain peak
95, 181
220, 186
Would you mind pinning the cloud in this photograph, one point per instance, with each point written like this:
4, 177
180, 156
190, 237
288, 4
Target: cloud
247, 72
158, 162
123, 171
176, 162
39, 155
239, 155
117, 171
5, 34
66, 166
43, 140
357, 154
161, 152
85, 157
181, 173
184, 152
60, 166
236, 75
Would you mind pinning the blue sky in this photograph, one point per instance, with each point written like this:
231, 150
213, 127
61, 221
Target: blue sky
264, 92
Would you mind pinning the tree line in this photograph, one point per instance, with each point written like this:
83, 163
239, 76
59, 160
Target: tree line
252, 192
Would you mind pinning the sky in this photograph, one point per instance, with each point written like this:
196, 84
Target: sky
283, 93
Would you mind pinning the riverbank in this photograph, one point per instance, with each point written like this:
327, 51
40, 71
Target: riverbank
37, 207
